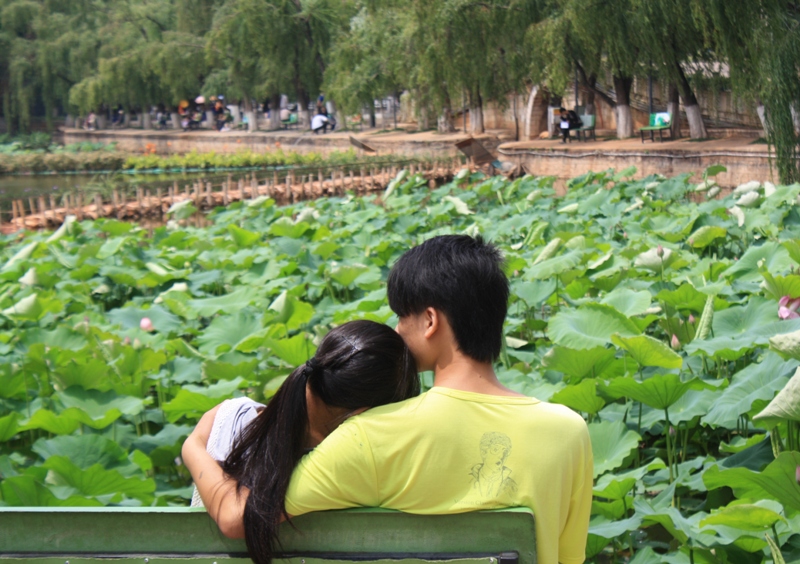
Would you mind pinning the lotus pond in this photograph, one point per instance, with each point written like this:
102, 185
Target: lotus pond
667, 319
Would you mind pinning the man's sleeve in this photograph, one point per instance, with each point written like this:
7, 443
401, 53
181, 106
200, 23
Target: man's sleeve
572, 544
338, 474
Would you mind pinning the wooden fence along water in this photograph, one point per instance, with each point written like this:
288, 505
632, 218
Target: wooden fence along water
285, 187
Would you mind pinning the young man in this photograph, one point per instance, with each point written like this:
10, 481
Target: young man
469, 443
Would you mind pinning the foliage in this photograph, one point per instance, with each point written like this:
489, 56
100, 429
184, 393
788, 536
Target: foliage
663, 344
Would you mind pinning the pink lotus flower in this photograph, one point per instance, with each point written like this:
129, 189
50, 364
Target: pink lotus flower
675, 343
787, 308
660, 251
691, 318
145, 324
797, 474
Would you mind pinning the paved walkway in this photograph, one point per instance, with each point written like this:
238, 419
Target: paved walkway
635, 145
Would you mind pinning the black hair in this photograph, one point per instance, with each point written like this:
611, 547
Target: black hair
358, 364
463, 278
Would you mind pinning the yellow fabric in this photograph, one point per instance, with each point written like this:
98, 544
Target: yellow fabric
449, 451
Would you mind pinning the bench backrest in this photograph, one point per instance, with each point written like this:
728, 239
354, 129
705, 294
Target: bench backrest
588, 121
660, 119
79, 534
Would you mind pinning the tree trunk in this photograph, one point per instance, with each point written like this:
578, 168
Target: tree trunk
147, 122
528, 125
445, 121
762, 117
302, 110
590, 94
126, 121
476, 114
176, 120
372, 123
236, 113
422, 119
622, 87
674, 110
69, 121
99, 121
275, 112
697, 129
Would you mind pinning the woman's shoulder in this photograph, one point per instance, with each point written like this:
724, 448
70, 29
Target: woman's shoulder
231, 419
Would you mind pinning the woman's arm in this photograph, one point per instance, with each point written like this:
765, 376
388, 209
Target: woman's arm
218, 491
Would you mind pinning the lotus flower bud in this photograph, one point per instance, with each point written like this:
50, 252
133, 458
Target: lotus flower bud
672, 431
797, 474
660, 251
675, 343
137, 344
126, 341
145, 324
691, 318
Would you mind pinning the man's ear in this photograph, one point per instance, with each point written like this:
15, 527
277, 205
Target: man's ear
432, 321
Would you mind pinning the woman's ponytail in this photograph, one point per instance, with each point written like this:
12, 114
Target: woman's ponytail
265, 456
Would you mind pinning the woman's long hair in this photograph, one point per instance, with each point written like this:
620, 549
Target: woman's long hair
358, 364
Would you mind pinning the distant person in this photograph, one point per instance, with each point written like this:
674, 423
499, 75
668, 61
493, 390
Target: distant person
91, 122
322, 110
286, 115
320, 122
266, 109
568, 120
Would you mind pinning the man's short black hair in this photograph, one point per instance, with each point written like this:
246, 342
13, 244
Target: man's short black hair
461, 277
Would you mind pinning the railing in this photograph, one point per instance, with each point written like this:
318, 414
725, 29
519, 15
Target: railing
286, 185
151, 535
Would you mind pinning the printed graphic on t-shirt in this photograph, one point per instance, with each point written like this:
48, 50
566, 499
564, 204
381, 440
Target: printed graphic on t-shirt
490, 480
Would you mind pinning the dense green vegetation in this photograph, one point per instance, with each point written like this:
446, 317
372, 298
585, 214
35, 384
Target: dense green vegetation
73, 56
669, 324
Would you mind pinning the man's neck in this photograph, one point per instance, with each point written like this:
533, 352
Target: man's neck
463, 373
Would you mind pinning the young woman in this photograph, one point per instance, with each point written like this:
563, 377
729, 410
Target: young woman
358, 365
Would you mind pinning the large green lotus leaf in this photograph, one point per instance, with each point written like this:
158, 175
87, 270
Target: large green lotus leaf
602, 527
580, 397
291, 311
685, 298
554, 266
680, 527
19, 257
189, 404
618, 485
693, 403
96, 480
111, 247
169, 436
227, 331
748, 517
659, 392
578, 364
785, 406
12, 381
612, 443
778, 480
285, 227
83, 450
294, 350
706, 235
242, 237
97, 405
28, 308
650, 260
648, 351
628, 302
63, 423
534, 293
130, 317
238, 299
741, 328
647, 555
778, 286
670, 227
757, 381
61, 337
786, 344
220, 390
346, 274
8, 426
88, 372
26, 491
770, 256
589, 326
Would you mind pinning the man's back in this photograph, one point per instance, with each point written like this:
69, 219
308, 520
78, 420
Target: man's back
451, 451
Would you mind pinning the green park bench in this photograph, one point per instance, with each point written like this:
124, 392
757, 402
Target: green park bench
292, 121
182, 535
587, 128
658, 122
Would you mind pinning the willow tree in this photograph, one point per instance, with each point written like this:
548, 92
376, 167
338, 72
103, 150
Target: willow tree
760, 41
675, 45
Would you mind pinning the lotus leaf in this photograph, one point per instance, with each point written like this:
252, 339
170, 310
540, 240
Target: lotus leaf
648, 351
612, 443
580, 397
578, 364
745, 516
785, 406
655, 259
706, 235
589, 326
777, 481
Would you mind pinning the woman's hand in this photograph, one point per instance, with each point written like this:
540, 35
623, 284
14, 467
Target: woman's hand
217, 490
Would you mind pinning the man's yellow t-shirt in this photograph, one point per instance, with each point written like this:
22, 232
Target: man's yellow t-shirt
449, 451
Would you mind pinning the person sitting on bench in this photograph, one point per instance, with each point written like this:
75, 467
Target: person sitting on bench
469, 443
